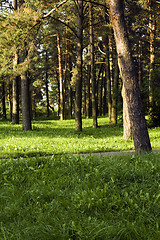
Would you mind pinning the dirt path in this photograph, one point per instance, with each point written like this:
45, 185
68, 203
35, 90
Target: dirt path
112, 153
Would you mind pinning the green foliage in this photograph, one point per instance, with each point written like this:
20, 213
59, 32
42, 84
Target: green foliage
94, 198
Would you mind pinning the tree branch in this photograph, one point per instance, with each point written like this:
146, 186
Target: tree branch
54, 9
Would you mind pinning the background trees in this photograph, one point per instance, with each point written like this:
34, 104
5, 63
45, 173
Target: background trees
43, 42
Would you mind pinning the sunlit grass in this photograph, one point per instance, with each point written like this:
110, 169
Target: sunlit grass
57, 137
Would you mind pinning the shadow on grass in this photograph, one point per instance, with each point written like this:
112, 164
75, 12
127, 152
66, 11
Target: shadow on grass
55, 137
53, 130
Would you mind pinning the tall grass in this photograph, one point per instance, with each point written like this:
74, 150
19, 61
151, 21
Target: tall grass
96, 198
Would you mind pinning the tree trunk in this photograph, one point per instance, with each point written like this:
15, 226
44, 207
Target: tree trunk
140, 63
78, 100
109, 99
104, 93
88, 100
93, 75
70, 89
4, 116
15, 85
15, 93
26, 109
152, 28
129, 77
61, 85
58, 94
127, 131
46, 84
10, 99
115, 93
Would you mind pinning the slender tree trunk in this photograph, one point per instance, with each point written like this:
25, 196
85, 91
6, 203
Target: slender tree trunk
15, 86
115, 92
4, 116
104, 98
129, 77
99, 89
58, 94
61, 83
88, 105
84, 97
46, 84
70, 89
15, 92
26, 109
109, 98
101, 95
78, 100
93, 75
152, 28
10, 99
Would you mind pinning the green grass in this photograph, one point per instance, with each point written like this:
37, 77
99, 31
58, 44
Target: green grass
46, 193
56, 137
96, 198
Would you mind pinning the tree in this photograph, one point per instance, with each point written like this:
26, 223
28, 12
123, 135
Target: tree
15, 83
129, 77
93, 76
78, 100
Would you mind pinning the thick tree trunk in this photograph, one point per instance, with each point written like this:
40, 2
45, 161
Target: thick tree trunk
129, 77
78, 100
26, 108
61, 83
140, 63
127, 131
93, 75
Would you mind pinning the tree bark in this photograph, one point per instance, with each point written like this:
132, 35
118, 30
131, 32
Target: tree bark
78, 97
15, 93
4, 116
46, 84
115, 93
129, 77
109, 98
88, 99
127, 131
93, 75
140, 63
26, 109
61, 85
152, 29
15, 84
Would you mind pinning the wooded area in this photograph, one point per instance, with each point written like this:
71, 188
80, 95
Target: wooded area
63, 57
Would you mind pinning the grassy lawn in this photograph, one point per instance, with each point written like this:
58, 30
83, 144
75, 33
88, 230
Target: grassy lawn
57, 137
96, 198
46, 193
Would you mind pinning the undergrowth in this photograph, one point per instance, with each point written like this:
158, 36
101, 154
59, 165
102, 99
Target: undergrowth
69, 198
